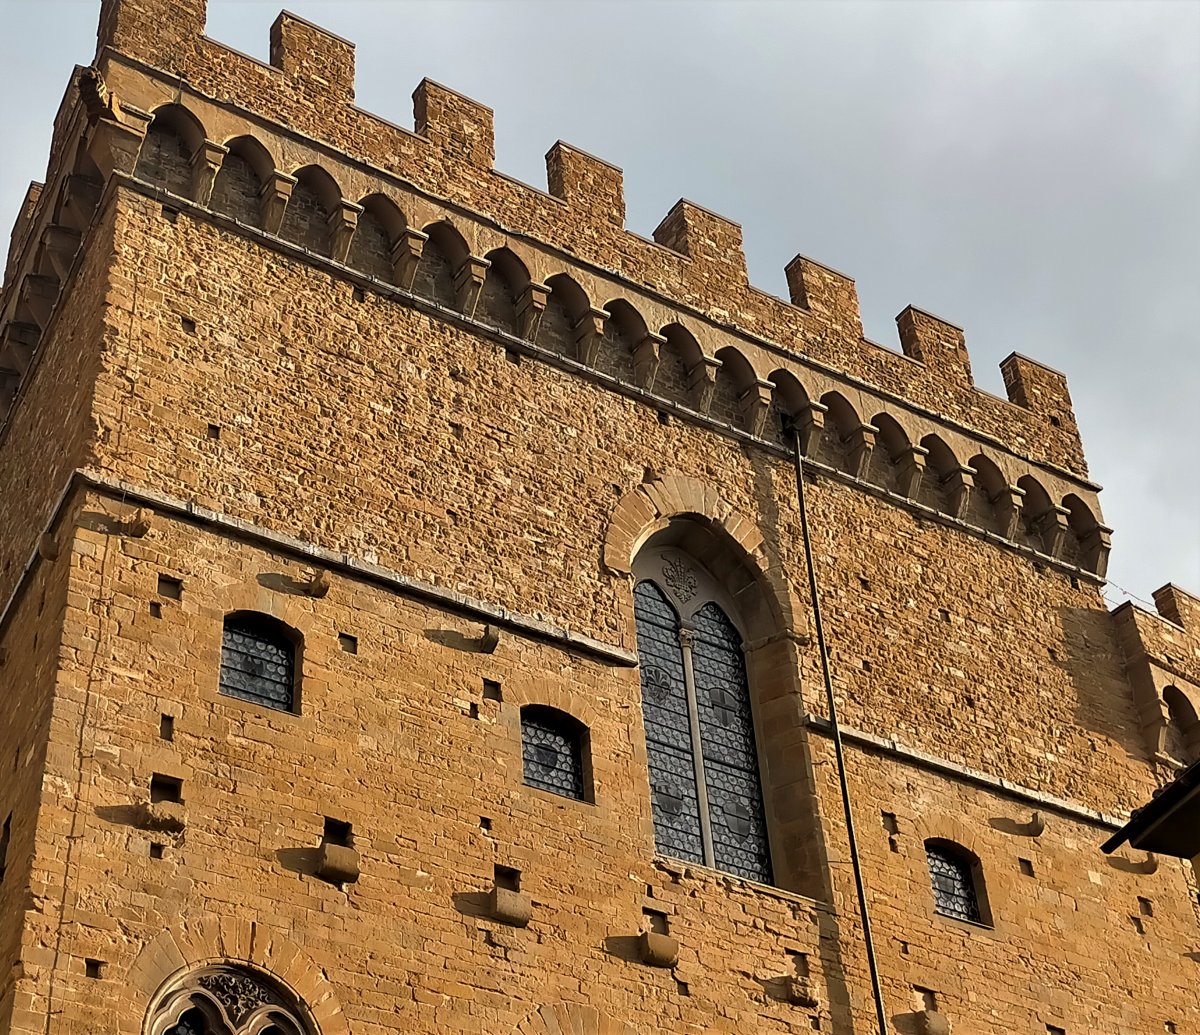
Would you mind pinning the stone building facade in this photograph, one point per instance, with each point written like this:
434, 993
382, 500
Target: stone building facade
407, 628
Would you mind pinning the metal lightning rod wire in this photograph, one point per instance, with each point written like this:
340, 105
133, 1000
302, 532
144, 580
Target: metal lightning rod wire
839, 753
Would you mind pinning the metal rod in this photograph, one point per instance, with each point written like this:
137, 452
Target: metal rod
839, 754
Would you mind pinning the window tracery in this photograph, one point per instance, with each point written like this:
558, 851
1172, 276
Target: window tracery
227, 1000
706, 795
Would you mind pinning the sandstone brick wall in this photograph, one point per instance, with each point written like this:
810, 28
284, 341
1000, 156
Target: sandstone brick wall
281, 362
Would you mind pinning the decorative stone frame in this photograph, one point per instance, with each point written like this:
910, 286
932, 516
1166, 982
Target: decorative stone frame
228, 942
760, 602
519, 694
989, 883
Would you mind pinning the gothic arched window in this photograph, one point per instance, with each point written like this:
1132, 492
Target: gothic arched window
258, 661
227, 1000
704, 781
952, 873
553, 751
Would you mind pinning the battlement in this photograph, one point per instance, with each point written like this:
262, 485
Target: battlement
1162, 654
309, 86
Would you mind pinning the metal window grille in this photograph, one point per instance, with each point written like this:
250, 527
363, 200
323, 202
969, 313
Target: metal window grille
953, 886
552, 747
706, 796
258, 662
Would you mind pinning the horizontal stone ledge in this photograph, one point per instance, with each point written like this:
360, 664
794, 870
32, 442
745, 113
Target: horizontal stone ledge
996, 784
450, 600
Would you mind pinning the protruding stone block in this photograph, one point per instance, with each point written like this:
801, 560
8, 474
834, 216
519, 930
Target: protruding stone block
826, 293
589, 333
937, 343
658, 950
646, 356
17, 342
702, 382
455, 123
590, 185
530, 305
337, 864
514, 908
933, 1023
307, 51
343, 221
167, 816
910, 467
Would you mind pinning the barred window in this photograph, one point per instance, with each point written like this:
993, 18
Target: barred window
553, 747
953, 880
258, 661
706, 797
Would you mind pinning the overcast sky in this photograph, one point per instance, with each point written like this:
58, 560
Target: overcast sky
1030, 171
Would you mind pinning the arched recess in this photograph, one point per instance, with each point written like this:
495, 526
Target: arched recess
565, 307
379, 228
228, 999
571, 1019
940, 465
989, 503
1038, 526
841, 424
503, 283
444, 253
892, 452
1181, 738
680, 367
237, 190
790, 403
623, 330
172, 139
729, 782
1082, 546
306, 221
177, 958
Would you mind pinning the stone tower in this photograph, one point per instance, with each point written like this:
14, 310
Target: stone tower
407, 625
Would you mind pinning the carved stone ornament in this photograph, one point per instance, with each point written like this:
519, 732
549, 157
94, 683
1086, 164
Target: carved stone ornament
680, 579
240, 994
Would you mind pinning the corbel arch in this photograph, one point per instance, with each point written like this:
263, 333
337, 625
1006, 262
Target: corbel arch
686, 374
173, 139
381, 225
244, 182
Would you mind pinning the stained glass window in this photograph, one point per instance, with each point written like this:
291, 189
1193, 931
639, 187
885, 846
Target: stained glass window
258, 661
706, 796
552, 746
953, 884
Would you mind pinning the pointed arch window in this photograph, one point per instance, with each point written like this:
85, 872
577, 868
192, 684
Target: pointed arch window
700, 742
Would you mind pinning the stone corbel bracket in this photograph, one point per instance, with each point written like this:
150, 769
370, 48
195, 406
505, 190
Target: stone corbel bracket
406, 256
755, 406
343, 221
206, 163
646, 356
702, 383
273, 200
468, 283
531, 303
589, 333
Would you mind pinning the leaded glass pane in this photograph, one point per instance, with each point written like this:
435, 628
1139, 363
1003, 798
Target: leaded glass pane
675, 802
953, 886
553, 751
735, 806
257, 663
191, 1023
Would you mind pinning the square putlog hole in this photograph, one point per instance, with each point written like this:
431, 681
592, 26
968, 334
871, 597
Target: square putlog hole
508, 878
348, 643
165, 788
93, 968
170, 587
337, 832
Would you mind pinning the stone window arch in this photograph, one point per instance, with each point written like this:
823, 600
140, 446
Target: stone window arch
1181, 735
554, 749
260, 661
701, 742
956, 879
228, 999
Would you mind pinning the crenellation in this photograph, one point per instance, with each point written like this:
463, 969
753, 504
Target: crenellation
712, 242
313, 55
591, 186
938, 344
455, 124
